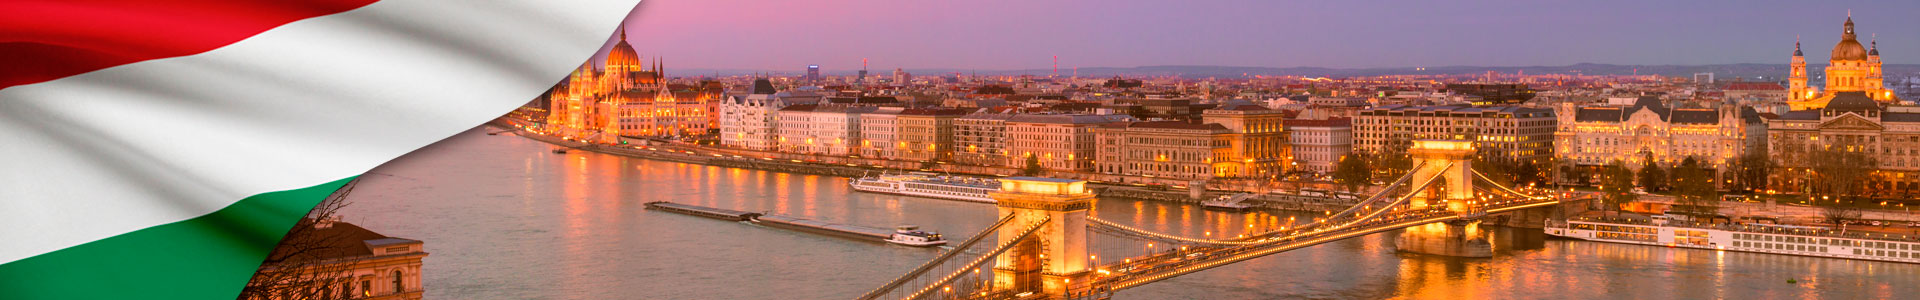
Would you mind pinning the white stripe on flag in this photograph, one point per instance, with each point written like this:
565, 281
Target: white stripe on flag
125, 148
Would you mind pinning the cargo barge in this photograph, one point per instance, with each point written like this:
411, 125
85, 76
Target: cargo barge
702, 211
903, 235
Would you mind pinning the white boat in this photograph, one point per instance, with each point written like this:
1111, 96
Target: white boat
1235, 202
912, 236
920, 184
1758, 238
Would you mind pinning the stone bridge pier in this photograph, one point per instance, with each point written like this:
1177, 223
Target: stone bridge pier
1454, 238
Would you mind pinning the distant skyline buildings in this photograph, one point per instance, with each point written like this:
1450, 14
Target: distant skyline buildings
1005, 35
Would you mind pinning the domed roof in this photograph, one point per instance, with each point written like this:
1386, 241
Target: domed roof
623, 54
1849, 48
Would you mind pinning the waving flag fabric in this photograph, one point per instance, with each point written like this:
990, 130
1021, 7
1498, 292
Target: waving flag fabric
158, 149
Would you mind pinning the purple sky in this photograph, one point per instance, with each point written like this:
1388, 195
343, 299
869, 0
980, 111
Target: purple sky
785, 36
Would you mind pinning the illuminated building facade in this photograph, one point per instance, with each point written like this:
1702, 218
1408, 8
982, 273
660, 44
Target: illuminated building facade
1889, 134
980, 139
1319, 144
1517, 133
1061, 142
1599, 135
1167, 149
749, 121
1258, 138
625, 98
926, 134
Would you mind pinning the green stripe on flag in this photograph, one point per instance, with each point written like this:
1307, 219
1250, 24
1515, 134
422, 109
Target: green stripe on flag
207, 257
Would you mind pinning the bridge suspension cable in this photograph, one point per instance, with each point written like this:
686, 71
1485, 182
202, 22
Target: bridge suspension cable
1496, 184
1383, 192
975, 264
1397, 201
937, 261
1110, 226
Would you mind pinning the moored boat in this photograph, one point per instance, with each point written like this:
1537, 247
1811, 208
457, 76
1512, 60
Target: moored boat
920, 184
1757, 238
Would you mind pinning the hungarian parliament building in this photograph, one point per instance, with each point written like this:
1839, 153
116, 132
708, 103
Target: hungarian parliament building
625, 97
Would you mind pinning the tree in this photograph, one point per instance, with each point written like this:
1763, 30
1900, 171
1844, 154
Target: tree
1527, 173
1840, 172
1616, 185
1033, 167
1839, 214
1352, 171
1496, 165
296, 268
1749, 171
1652, 177
1392, 161
1694, 189
1575, 175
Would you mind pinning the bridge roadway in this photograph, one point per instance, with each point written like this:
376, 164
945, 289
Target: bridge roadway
1180, 261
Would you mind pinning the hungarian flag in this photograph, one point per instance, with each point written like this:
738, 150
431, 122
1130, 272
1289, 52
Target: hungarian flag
160, 148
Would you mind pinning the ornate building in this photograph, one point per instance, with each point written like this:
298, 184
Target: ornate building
1890, 134
1593, 137
353, 263
1166, 149
1258, 140
1853, 68
749, 121
624, 98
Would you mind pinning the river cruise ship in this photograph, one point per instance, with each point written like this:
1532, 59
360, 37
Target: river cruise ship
921, 184
1759, 238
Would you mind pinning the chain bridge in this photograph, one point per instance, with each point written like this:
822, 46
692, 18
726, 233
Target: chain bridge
1044, 234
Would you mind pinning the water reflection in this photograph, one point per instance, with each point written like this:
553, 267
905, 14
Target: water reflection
506, 218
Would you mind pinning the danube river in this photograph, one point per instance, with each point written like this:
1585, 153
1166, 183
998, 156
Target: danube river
505, 218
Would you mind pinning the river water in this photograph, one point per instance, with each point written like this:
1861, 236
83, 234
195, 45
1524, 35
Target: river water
504, 218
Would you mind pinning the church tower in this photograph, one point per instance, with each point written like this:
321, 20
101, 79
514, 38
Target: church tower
1874, 81
1797, 89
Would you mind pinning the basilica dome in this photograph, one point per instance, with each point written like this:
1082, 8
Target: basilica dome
1849, 48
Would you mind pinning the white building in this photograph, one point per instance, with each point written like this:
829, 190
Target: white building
821, 129
749, 121
879, 131
1319, 144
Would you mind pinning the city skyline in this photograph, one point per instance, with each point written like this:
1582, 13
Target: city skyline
985, 36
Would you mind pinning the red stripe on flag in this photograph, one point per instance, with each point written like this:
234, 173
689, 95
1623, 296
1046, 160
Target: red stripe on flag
42, 40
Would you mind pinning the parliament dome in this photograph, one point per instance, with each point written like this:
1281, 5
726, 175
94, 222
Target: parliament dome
623, 54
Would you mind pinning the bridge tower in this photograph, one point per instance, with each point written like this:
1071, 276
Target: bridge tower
1056, 254
1452, 161
1455, 187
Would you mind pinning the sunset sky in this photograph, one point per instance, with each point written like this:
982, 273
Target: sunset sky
785, 36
